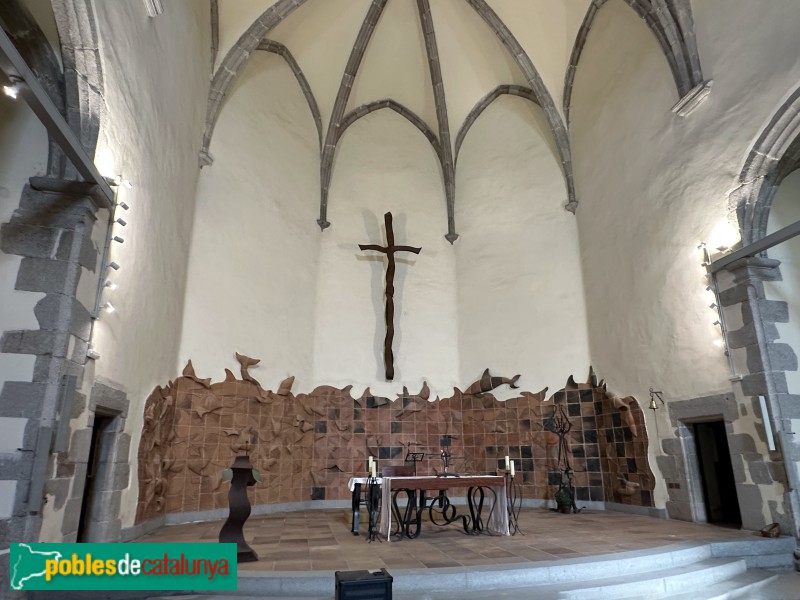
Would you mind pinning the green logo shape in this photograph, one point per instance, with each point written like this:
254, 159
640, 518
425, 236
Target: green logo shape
123, 566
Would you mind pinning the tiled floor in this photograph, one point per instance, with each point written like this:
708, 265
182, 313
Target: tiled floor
321, 540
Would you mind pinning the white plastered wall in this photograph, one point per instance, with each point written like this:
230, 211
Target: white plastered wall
653, 185
252, 275
156, 86
785, 211
384, 164
520, 288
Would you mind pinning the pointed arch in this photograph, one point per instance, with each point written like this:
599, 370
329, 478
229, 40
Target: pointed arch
236, 58
363, 110
539, 89
282, 51
775, 154
342, 96
83, 69
672, 24
483, 104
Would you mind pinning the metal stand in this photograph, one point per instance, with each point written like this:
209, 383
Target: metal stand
446, 456
513, 503
561, 427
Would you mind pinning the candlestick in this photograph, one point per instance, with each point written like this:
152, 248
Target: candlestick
507, 467
512, 468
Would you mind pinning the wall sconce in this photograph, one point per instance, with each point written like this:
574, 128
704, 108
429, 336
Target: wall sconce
653, 395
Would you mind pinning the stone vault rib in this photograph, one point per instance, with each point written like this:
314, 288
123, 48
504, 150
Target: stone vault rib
483, 104
346, 86
671, 22
235, 60
525, 64
363, 110
446, 155
281, 50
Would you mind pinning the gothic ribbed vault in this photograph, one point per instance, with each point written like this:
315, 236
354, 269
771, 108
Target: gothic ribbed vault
439, 65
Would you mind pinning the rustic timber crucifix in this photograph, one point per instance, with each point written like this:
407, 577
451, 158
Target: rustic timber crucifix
389, 250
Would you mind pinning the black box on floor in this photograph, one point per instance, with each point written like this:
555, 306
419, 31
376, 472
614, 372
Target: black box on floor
363, 585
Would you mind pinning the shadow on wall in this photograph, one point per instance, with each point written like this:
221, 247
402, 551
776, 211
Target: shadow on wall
309, 445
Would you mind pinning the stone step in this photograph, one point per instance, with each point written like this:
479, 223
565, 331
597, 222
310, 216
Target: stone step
659, 582
744, 585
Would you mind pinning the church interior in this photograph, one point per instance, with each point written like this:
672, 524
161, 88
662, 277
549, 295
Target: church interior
548, 241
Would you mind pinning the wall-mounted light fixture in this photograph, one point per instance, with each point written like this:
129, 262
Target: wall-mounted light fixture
109, 307
118, 181
12, 90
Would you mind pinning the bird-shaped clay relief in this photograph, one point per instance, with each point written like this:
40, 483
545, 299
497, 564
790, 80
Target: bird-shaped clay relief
245, 363
487, 383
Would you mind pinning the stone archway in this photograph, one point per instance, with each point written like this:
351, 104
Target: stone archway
756, 343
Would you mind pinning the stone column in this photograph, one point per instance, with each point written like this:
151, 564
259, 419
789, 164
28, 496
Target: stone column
52, 230
764, 361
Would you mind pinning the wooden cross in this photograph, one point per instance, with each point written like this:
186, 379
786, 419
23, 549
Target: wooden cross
389, 250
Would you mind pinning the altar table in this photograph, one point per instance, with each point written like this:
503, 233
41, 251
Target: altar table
474, 484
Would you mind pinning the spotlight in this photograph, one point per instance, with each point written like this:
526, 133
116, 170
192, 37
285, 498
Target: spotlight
109, 307
716, 323
114, 266
123, 205
118, 239
92, 353
713, 305
117, 181
718, 343
111, 285
121, 221
12, 91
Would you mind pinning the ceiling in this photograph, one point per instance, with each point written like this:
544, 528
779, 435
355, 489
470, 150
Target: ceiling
437, 63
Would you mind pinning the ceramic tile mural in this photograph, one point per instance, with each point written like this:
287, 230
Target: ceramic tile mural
307, 446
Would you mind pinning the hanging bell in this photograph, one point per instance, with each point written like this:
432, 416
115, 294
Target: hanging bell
653, 405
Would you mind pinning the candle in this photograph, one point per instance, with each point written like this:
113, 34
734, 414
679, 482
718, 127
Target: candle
512, 468
372, 470
507, 467
369, 463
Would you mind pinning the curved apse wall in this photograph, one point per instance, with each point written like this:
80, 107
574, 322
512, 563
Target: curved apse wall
653, 185
254, 252
520, 289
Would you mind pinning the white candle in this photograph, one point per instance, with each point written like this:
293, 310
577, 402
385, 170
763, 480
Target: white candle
369, 463
507, 467
512, 468
372, 469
